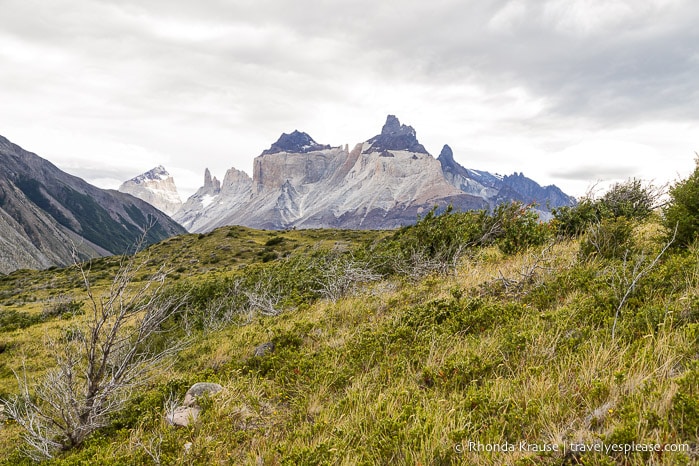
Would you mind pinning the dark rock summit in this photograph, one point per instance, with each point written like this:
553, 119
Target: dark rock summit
531, 191
295, 143
395, 136
446, 157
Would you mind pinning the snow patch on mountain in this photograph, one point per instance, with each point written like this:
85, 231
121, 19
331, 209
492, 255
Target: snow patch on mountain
157, 188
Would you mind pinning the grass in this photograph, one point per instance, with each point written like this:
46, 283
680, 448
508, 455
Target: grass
506, 348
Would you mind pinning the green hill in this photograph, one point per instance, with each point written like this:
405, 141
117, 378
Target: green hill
466, 339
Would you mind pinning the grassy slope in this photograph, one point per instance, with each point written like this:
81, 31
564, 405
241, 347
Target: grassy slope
507, 349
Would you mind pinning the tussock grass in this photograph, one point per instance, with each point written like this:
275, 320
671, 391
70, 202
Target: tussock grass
501, 349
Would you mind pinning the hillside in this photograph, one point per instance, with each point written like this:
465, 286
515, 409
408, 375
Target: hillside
395, 347
47, 216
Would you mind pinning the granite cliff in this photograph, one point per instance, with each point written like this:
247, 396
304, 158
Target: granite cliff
385, 182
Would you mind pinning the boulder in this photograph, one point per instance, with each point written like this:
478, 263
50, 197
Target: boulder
183, 415
198, 389
264, 349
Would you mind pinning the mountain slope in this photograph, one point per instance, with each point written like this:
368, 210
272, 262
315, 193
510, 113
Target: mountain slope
157, 188
45, 213
497, 189
502, 350
384, 182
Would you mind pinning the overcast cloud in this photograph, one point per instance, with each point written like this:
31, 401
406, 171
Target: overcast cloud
567, 91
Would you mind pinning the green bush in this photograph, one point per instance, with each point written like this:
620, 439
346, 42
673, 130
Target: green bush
275, 240
631, 200
438, 240
519, 227
611, 238
12, 320
684, 413
682, 211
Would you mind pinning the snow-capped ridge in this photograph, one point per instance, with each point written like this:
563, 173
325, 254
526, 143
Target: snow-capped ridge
156, 187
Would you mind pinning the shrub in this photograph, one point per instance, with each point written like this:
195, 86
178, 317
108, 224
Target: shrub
274, 241
631, 199
611, 238
682, 211
62, 306
12, 320
437, 241
518, 227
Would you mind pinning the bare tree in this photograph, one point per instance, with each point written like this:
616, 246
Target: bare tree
264, 296
341, 275
98, 362
625, 283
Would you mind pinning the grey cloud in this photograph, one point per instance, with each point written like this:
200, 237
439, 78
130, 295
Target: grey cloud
589, 173
79, 169
269, 66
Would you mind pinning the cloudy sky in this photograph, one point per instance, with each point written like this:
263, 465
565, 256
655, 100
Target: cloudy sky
567, 91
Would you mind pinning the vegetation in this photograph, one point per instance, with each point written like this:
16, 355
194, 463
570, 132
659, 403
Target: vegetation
631, 200
682, 212
98, 362
428, 345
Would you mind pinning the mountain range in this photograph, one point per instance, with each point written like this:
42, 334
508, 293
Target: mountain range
48, 217
384, 182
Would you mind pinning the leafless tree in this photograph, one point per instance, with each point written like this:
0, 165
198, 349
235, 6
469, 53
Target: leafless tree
341, 276
625, 280
264, 296
99, 362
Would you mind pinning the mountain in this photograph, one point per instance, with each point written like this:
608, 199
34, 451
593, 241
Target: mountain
157, 188
497, 189
214, 199
384, 182
46, 214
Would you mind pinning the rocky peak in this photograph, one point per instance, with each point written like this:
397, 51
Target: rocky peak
395, 136
392, 125
157, 188
158, 173
211, 184
295, 143
446, 157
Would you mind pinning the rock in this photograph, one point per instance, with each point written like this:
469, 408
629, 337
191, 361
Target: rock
182, 416
189, 412
295, 143
384, 182
157, 188
395, 136
264, 348
198, 389
447, 155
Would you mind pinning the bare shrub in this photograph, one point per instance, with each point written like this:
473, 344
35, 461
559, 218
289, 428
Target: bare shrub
98, 361
341, 275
